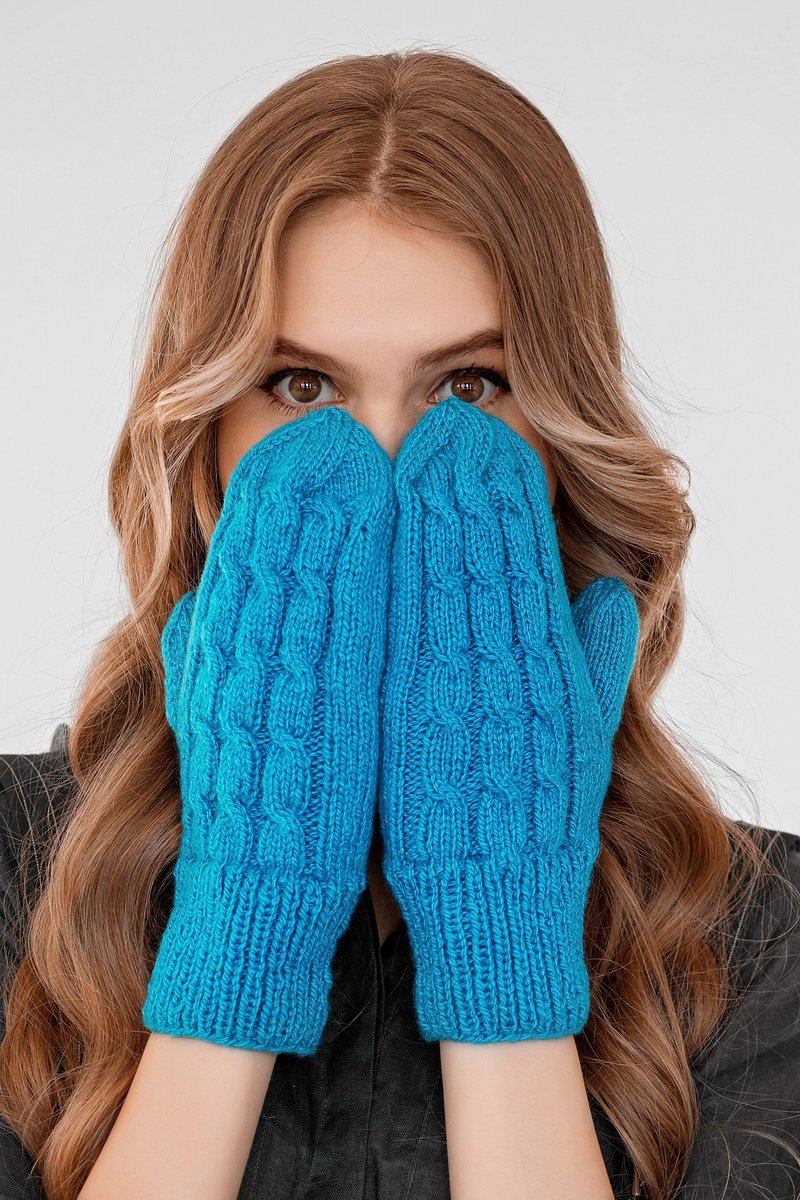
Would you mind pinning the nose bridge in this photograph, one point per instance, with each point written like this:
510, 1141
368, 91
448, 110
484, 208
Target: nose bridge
388, 418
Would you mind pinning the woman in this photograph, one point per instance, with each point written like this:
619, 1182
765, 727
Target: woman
334, 886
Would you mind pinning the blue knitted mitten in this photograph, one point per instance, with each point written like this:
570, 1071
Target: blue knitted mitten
499, 707
273, 666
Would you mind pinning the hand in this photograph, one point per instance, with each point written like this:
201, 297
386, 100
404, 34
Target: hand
272, 672
499, 706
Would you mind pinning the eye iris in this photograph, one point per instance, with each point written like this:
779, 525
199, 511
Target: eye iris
308, 389
464, 386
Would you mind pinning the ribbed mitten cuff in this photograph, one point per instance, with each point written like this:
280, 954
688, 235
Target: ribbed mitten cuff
272, 994
498, 948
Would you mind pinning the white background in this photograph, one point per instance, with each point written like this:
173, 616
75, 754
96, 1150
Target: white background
682, 118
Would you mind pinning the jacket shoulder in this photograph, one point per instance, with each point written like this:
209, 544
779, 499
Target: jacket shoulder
768, 920
34, 789
747, 1081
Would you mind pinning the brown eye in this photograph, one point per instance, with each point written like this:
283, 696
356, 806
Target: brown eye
466, 385
304, 388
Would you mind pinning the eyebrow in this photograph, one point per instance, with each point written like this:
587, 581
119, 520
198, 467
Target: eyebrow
483, 339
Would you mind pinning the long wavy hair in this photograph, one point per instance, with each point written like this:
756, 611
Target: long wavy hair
403, 133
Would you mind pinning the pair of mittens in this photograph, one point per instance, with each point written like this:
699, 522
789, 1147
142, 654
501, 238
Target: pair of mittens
406, 626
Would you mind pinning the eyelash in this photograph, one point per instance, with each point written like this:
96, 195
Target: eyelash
500, 382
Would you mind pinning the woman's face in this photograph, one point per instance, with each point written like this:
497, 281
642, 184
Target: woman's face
362, 301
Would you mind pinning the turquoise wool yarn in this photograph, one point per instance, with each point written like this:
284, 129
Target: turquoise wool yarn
272, 669
499, 706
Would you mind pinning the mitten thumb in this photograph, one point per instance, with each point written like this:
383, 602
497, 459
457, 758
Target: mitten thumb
606, 621
174, 643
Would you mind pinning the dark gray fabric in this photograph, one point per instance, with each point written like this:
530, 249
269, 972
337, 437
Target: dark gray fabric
363, 1119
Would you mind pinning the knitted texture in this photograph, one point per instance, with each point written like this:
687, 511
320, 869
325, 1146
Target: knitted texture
499, 706
272, 670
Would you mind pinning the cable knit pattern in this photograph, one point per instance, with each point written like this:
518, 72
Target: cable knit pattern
498, 710
272, 671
